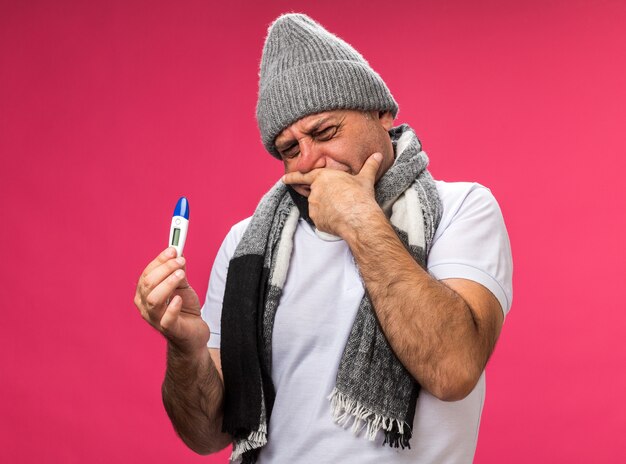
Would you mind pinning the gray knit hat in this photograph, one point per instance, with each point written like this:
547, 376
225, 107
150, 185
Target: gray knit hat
306, 70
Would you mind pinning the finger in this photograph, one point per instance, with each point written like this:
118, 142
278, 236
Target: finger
158, 274
299, 178
171, 314
371, 166
168, 253
160, 293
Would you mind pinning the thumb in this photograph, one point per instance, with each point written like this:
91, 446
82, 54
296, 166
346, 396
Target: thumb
170, 317
184, 283
371, 166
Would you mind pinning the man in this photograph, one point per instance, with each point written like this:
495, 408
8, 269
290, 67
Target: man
362, 294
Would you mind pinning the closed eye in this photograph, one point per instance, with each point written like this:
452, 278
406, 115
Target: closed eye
322, 136
290, 152
326, 134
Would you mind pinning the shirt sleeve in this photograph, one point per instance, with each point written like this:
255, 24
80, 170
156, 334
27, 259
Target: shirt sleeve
472, 243
212, 308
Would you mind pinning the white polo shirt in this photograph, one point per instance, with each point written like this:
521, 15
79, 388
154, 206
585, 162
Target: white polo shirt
319, 303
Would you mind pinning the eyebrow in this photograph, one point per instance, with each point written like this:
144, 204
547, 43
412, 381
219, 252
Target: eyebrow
311, 130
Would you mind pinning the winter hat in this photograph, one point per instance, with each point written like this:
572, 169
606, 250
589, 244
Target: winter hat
306, 70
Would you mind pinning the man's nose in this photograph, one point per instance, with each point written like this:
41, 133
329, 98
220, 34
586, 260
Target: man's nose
311, 157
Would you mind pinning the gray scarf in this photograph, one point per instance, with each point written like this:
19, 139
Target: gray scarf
373, 388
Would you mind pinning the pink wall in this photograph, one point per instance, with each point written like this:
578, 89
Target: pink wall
111, 110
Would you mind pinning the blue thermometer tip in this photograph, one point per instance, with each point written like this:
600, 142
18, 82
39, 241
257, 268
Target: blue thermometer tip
182, 208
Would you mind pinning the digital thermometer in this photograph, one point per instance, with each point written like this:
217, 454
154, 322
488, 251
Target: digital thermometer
180, 224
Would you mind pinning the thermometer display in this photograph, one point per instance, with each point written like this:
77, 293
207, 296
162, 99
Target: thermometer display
176, 237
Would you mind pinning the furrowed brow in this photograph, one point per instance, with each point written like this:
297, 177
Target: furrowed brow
310, 131
284, 145
315, 127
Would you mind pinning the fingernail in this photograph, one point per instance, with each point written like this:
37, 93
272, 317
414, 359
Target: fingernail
170, 252
180, 260
378, 157
179, 273
283, 179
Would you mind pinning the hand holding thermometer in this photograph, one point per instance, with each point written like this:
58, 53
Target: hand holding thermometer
180, 224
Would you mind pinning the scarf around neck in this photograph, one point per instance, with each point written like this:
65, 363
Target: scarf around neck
373, 389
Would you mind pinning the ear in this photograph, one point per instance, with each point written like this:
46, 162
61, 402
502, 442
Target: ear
386, 119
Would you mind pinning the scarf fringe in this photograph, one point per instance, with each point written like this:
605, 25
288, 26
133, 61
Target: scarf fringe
255, 440
344, 408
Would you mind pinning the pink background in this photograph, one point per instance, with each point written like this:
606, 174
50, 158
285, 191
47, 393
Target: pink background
109, 111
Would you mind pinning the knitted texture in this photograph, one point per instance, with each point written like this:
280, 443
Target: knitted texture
306, 70
373, 391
